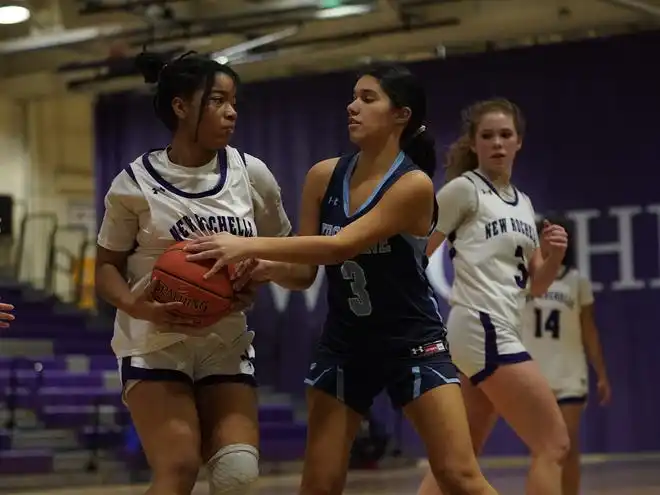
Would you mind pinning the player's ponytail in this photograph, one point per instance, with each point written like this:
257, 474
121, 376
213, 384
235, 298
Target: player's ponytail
150, 66
420, 147
460, 158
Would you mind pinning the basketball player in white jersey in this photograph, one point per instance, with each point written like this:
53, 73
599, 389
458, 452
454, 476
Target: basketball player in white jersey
5, 314
560, 333
490, 228
191, 392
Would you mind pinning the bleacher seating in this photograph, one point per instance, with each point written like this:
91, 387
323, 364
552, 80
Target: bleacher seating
60, 405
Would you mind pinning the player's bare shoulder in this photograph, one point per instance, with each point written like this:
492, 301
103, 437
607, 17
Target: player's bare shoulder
414, 183
323, 169
319, 175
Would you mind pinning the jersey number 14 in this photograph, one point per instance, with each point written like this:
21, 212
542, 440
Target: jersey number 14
549, 323
359, 302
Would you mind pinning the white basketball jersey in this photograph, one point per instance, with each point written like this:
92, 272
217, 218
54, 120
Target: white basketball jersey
491, 250
217, 198
552, 332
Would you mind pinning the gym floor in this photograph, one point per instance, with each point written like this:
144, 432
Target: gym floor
635, 475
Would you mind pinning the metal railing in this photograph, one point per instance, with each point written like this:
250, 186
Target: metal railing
73, 266
58, 259
49, 218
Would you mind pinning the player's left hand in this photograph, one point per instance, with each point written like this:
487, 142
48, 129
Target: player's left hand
5, 315
223, 247
554, 239
251, 271
604, 391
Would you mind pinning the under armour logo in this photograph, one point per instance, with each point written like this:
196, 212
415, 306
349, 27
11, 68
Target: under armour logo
158, 189
333, 201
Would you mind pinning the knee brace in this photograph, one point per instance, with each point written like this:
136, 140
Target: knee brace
233, 469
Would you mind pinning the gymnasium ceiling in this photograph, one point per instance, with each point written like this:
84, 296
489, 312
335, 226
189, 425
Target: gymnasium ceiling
91, 41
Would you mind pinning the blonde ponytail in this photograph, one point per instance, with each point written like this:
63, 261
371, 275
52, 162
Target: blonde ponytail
460, 158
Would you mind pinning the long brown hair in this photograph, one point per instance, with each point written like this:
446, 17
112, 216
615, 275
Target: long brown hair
460, 158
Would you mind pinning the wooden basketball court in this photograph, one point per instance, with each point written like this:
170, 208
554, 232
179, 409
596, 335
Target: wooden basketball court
602, 476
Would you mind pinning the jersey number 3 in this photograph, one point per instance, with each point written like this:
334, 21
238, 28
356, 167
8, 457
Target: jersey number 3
360, 303
523, 275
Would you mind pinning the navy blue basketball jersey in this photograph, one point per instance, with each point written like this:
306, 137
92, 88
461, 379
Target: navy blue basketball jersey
381, 300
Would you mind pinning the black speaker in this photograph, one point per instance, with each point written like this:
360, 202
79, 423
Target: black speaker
6, 215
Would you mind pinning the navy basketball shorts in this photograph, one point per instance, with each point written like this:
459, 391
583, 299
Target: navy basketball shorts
197, 361
356, 381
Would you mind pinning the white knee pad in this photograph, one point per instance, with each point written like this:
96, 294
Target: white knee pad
233, 469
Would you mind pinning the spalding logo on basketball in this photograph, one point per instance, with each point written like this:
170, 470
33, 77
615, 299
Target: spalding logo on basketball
163, 292
176, 279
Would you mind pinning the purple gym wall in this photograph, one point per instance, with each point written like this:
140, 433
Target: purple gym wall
591, 150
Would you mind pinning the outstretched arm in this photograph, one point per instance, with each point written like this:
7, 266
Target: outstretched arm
296, 276
401, 209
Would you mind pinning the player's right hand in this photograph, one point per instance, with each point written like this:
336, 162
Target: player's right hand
144, 307
250, 271
5, 315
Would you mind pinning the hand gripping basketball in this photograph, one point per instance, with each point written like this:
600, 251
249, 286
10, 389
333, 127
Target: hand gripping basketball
204, 300
224, 248
251, 272
144, 307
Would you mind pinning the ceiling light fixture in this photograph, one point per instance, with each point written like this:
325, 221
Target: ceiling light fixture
13, 12
343, 11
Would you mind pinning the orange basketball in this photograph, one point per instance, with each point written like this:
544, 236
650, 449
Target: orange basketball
178, 279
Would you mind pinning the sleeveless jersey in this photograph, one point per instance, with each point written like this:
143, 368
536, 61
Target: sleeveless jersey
172, 214
490, 251
552, 331
381, 300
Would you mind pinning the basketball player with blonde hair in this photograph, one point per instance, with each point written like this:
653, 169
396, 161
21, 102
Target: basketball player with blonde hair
490, 227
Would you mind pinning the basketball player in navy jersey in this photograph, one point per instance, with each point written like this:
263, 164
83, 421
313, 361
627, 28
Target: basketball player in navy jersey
560, 333
490, 226
367, 217
190, 391
5, 315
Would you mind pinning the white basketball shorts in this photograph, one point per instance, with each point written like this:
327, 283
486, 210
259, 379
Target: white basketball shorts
479, 346
195, 360
567, 379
